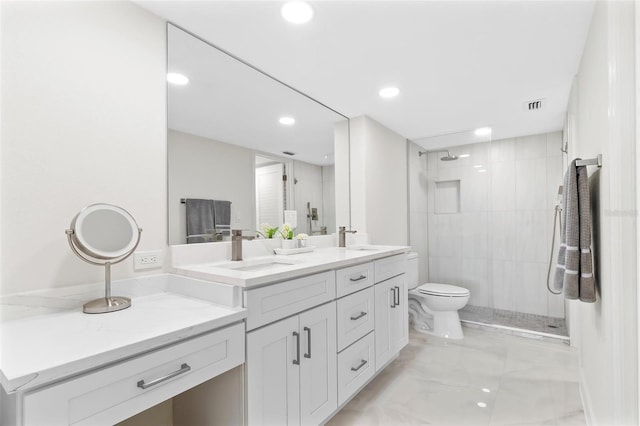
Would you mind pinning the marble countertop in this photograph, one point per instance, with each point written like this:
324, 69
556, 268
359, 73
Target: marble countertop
262, 270
38, 348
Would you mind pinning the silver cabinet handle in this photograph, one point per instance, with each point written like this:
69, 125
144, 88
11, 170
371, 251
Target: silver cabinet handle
183, 369
297, 336
358, 316
362, 364
393, 297
396, 293
360, 278
308, 354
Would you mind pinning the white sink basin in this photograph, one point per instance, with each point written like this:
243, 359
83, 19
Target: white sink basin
363, 248
257, 265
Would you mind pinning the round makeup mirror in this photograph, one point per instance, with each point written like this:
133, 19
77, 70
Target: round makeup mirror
104, 234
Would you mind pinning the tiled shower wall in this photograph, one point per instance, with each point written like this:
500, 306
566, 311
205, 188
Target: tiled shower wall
497, 240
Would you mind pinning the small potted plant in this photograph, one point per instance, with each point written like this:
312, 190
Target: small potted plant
267, 231
287, 233
302, 239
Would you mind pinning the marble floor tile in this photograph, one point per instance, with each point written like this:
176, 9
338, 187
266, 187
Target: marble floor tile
486, 378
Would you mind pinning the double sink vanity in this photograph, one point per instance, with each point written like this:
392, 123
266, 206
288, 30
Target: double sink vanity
307, 330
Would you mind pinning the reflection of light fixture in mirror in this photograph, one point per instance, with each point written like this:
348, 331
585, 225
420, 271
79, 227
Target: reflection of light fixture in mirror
175, 78
104, 234
482, 131
287, 121
297, 12
389, 92
477, 166
482, 171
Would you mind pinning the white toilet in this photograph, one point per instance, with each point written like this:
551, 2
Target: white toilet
433, 308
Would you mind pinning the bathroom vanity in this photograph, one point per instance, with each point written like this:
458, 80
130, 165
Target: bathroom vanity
319, 325
62, 367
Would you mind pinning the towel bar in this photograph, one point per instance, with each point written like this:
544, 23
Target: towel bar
591, 161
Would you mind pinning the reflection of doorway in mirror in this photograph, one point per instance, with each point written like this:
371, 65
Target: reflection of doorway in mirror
269, 192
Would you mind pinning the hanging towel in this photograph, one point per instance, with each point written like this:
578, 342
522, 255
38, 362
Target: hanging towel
574, 272
222, 216
200, 220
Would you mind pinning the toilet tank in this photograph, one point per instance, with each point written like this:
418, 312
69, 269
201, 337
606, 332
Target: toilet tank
412, 270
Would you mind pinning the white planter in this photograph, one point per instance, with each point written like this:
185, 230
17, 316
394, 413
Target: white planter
289, 244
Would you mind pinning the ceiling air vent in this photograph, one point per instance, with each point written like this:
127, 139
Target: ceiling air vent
534, 105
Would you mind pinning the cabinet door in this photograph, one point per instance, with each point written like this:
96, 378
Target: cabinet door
384, 310
318, 365
273, 378
400, 315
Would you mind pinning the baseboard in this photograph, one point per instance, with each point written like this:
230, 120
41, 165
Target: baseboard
585, 396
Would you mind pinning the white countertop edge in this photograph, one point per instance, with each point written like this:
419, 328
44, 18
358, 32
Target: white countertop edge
208, 272
65, 371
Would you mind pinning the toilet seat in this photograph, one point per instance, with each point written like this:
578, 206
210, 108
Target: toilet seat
447, 290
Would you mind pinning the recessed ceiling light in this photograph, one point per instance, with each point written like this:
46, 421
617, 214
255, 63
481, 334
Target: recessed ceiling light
482, 171
486, 390
464, 155
482, 404
389, 92
297, 12
175, 78
287, 121
483, 131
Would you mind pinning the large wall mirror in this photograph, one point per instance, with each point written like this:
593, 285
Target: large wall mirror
243, 148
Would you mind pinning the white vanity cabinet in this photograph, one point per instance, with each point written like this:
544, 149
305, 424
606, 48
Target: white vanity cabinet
391, 311
291, 369
113, 393
314, 341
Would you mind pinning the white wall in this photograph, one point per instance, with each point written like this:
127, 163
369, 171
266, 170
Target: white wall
604, 112
204, 168
83, 121
418, 212
378, 161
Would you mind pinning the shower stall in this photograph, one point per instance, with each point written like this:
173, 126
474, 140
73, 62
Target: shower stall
482, 217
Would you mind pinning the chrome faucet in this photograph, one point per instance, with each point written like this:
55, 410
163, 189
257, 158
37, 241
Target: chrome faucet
236, 244
342, 234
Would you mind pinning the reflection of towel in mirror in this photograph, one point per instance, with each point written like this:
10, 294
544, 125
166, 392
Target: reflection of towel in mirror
222, 216
200, 214
574, 273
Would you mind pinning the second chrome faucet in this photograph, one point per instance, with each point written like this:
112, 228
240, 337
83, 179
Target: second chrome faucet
342, 234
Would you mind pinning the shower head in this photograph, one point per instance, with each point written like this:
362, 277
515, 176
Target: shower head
449, 157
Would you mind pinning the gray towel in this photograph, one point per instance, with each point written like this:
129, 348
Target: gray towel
200, 220
574, 273
222, 216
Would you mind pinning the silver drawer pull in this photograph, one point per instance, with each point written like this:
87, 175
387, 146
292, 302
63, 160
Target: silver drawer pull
362, 364
183, 369
360, 278
359, 316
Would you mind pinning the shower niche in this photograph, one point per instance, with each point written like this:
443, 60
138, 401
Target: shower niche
447, 197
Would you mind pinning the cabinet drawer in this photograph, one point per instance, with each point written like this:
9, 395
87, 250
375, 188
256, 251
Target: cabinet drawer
349, 280
356, 365
390, 267
114, 393
271, 303
356, 316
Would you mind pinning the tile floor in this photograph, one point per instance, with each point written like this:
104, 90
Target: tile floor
540, 323
436, 381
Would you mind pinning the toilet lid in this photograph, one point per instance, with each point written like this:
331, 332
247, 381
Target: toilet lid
443, 290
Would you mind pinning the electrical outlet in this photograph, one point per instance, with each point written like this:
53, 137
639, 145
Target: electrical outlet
147, 260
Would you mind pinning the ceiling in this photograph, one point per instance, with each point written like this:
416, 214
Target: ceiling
459, 65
